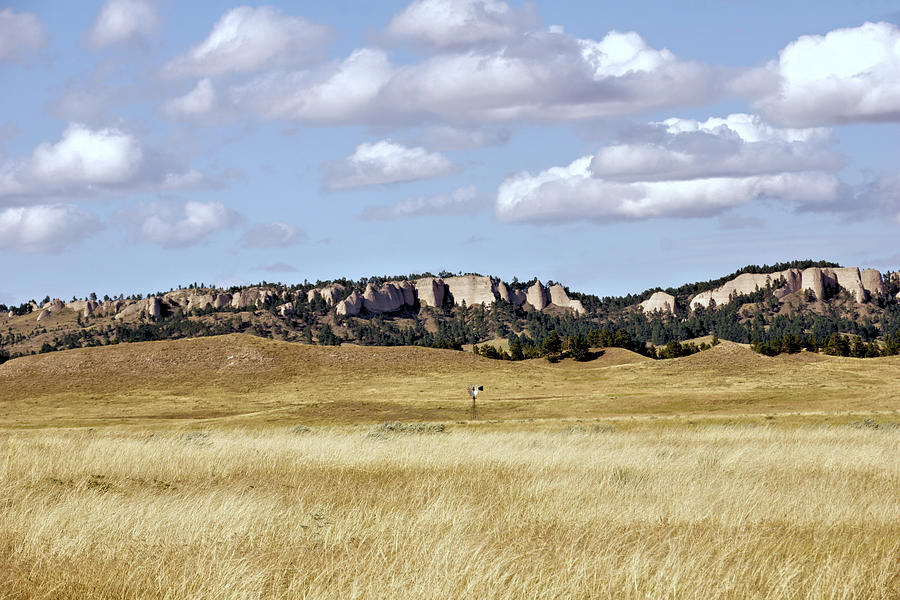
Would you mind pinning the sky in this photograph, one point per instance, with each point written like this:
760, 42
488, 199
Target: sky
609, 146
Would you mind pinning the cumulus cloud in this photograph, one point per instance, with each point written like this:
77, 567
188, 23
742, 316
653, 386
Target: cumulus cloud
179, 225
248, 39
20, 33
446, 137
464, 200
690, 169
847, 75
88, 156
200, 102
273, 235
88, 161
339, 92
46, 228
547, 75
739, 144
455, 23
385, 162
571, 193
120, 20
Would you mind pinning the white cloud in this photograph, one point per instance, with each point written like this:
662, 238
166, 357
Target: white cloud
454, 23
20, 33
340, 92
102, 156
571, 193
179, 225
464, 200
120, 20
89, 161
385, 162
446, 137
543, 76
49, 228
737, 145
273, 235
687, 168
200, 102
847, 75
249, 39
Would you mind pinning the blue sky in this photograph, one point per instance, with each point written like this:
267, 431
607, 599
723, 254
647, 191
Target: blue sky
610, 146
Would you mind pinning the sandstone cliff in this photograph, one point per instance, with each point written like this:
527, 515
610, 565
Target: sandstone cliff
351, 305
329, 294
430, 291
151, 307
471, 289
818, 280
660, 302
559, 297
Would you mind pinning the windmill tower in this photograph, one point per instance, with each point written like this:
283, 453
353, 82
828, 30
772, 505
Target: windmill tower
473, 390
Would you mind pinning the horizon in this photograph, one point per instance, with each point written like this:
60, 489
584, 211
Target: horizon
147, 145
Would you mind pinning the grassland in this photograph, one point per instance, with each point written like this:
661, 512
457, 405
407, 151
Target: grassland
720, 512
237, 467
244, 380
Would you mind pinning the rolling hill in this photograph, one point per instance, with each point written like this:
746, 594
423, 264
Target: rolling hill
245, 380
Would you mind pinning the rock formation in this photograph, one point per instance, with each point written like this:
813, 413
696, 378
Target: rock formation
872, 282
388, 297
660, 302
286, 309
537, 296
54, 306
430, 291
329, 293
471, 289
252, 297
350, 306
559, 297
818, 280
151, 307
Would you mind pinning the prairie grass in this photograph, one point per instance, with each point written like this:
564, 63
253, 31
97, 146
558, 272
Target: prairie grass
240, 380
416, 512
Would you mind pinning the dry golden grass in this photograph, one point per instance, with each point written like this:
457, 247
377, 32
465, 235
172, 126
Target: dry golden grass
243, 380
716, 512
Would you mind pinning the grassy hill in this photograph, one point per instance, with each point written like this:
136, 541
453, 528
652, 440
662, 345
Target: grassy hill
242, 379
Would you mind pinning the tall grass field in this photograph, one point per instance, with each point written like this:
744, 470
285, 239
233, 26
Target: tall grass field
462, 511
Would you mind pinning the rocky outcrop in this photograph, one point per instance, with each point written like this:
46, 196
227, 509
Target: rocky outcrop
252, 297
471, 289
747, 283
350, 306
200, 301
85, 307
430, 291
818, 280
54, 306
286, 309
660, 302
388, 297
559, 297
537, 296
151, 307
872, 282
813, 280
329, 294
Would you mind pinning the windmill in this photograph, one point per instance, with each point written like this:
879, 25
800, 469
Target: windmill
473, 390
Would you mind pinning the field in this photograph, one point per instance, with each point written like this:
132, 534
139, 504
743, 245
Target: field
236, 467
